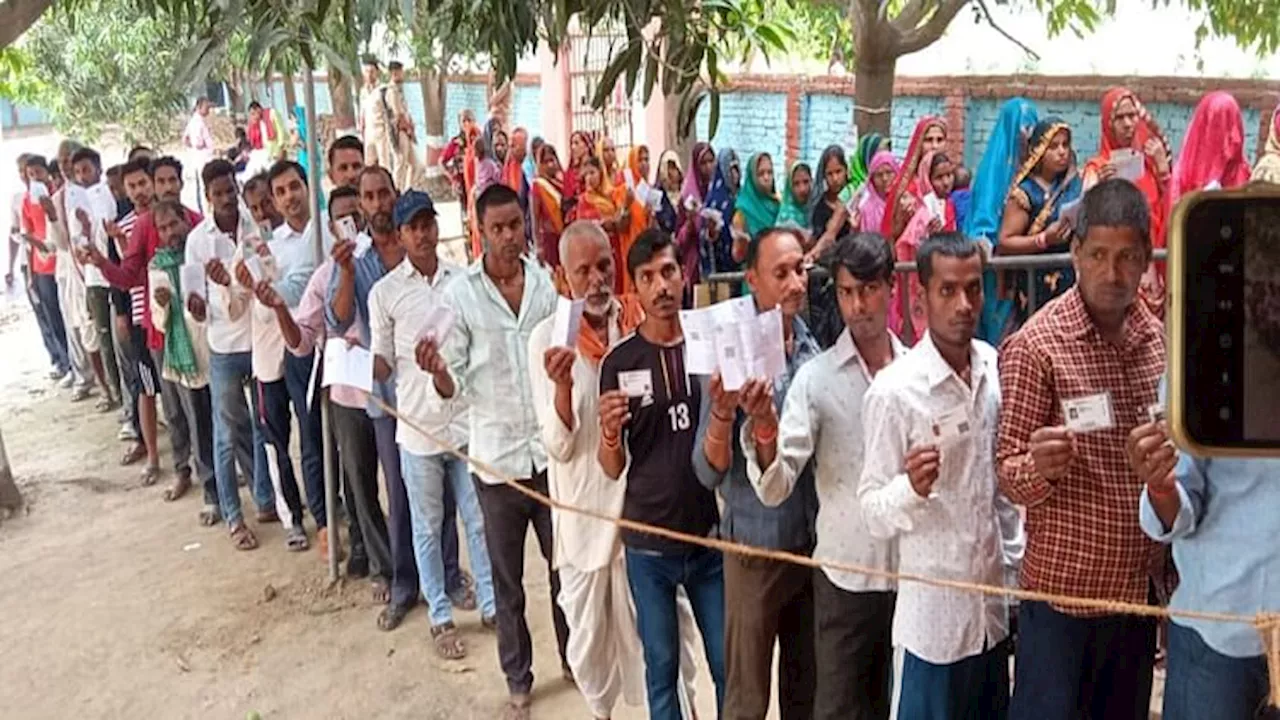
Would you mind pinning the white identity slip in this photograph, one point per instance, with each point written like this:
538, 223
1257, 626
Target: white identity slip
699, 341
1129, 164
1071, 212
636, 383
347, 229
567, 322
1089, 413
347, 365
363, 244
193, 282
768, 350
38, 190
437, 323
936, 206
950, 424
1155, 413
253, 264
730, 356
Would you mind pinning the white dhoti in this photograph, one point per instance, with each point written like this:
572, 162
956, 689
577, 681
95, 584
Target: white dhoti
604, 648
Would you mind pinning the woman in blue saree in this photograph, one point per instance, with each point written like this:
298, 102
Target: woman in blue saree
1006, 149
1048, 181
722, 198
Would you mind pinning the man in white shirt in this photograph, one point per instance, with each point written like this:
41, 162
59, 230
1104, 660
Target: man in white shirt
72, 294
237, 439
821, 428
198, 140
402, 305
285, 264
496, 304
101, 209
929, 479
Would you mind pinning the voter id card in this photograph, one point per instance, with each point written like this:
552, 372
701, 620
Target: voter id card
950, 424
636, 383
1089, 413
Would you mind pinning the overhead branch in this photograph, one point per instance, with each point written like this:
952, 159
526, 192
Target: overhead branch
986, 13
18, 15
922, 36
912, 14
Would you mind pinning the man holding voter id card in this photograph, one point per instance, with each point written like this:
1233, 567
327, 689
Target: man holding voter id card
929, 480
1076, 379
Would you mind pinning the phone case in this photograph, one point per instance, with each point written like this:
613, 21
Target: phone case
1179, 403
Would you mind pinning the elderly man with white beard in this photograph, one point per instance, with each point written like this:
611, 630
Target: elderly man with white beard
604, 649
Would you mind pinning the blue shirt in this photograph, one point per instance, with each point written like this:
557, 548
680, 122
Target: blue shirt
789, 526
369, 270
1226, 544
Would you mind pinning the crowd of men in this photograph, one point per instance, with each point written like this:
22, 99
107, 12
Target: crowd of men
870, 453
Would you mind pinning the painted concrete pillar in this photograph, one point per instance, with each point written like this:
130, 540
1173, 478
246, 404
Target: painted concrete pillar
557, 97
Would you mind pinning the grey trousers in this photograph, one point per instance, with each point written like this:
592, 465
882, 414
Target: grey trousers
189, 415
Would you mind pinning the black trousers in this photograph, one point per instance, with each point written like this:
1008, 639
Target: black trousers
853, 643
507, 516
358, 453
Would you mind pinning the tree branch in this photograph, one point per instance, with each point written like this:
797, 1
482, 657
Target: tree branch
18, 15
922, 36
912, 14
986, 13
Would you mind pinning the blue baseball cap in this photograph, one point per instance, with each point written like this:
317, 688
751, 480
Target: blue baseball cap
410, 203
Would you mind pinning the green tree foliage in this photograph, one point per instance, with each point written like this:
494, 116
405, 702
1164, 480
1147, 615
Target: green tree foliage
98, 68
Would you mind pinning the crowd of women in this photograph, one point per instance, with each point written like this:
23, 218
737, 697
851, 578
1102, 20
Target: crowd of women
1022, 200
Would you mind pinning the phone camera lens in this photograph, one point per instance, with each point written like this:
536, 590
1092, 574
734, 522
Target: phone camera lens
1224, 414
1225, 232
1224, 341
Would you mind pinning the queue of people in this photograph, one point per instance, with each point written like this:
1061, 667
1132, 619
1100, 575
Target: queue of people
896, 438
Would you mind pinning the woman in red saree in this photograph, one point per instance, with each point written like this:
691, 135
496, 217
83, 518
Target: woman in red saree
935, 213
904, 194
579, 151
1212, 153
546, 206
597, 203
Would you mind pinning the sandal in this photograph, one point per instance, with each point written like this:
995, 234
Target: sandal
381, 591
463, 598
178, 488
448, 642
105, 404
133, 455
81, 394
391, 617
267, 516
150, 475
242, 538
210, 516
517, 708
296, 540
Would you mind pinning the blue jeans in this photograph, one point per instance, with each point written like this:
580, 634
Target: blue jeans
297, 373
654, 578
425, 477
975, 688
235, 436
1068, 667
1203, 683
44, 300
275, 398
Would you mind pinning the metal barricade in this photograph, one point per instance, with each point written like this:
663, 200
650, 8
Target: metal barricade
720, 283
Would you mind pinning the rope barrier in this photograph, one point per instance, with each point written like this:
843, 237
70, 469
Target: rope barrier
1266, 623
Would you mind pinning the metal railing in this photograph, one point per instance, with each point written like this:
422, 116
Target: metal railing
1030, 264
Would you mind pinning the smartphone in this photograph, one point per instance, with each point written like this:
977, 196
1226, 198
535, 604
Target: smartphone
1224, 323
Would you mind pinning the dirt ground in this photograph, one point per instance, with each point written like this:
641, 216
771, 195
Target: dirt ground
119, 605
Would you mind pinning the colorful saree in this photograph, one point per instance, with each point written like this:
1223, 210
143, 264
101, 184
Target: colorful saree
547, 207
917, 229
1005, 150
1268, 167
791, 213
905, 181
871, 208
1212, 149
860, 167
722, 197
690, 220
1146, 130
758, 208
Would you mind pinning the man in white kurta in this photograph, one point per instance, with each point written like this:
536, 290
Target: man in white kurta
604, 648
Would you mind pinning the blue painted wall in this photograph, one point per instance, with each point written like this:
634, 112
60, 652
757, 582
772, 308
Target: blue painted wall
749, 123
824, 120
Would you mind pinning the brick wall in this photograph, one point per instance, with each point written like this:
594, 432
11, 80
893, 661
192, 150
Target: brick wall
818, 111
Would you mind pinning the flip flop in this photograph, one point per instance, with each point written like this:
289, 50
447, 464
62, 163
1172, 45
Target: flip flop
296, 540
448, 642
242, 538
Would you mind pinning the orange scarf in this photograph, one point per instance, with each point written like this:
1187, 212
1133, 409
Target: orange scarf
629, 315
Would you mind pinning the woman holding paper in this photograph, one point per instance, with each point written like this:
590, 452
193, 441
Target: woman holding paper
1033, 221
692, 223
935, 213
757, 206
904, 194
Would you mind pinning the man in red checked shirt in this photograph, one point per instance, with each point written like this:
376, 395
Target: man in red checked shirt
160, 179
1076, 379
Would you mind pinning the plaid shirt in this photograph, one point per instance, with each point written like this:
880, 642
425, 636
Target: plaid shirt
1081, 536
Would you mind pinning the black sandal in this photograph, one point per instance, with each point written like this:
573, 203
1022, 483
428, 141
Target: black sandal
391, 617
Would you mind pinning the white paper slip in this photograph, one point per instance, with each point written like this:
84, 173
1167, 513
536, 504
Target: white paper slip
1088, 413
192, 277
767, 350
1071, 212
253, 264
936, 206
567, 322
351, 366
437, 323
730, 356
347, 228
636, 383
363, 243
950, 424
38, 190
1129, 164
699, 341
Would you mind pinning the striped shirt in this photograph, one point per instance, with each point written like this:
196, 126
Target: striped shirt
138, 294
368, 270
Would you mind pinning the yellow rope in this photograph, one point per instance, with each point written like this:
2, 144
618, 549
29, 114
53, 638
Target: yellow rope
1266, 623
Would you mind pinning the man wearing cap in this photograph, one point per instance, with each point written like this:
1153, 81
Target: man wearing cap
407, 167
406, 304
376, 118
361, 264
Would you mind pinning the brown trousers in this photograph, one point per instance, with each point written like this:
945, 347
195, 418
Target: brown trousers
767, 601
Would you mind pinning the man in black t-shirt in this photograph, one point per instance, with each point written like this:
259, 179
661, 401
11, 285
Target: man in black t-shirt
649, 412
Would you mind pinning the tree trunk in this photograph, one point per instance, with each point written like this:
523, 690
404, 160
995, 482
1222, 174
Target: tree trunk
873, 93
434, 91
290, 93
500, 99
10, 497
342, 101
18, 15
671, 130
235, 96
